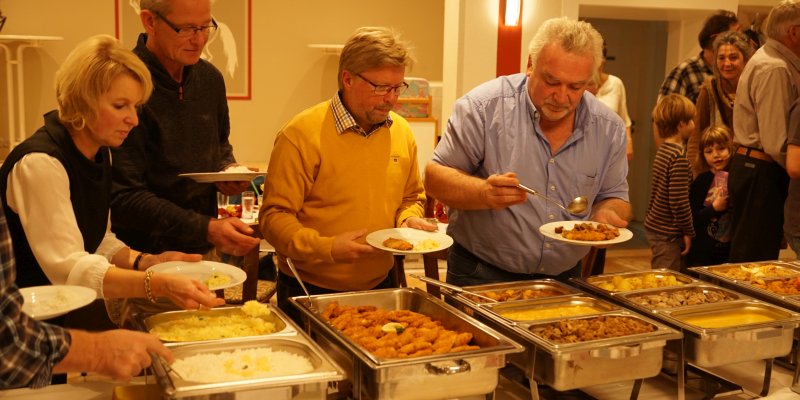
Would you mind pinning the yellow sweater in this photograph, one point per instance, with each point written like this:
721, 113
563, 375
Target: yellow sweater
321, 184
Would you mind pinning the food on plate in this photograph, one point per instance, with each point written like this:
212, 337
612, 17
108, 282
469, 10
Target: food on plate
206, 326
587, 231
237, 169
255, 309
419, 336
682, 297
218, 279
725, 319
515, 294
241, 364
648, 281
532, 314
398, 244
593, 328
426, 244
48, 305
780, 286
232, 210
755, 272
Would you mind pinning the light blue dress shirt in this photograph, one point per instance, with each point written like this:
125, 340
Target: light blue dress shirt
494, 129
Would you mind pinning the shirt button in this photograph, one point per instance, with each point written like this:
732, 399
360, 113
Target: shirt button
553, 188
547, 245
552, 161
551, 216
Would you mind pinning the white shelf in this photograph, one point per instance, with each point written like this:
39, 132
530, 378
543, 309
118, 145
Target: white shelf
328, 48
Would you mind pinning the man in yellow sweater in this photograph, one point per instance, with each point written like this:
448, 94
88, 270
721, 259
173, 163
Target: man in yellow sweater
341, 169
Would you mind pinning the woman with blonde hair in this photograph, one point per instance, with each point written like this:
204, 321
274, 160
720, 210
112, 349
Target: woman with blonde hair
56, 185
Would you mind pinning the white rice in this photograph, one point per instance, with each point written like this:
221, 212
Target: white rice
238, 169
240, 365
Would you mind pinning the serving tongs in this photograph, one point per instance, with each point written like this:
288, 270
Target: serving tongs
451, 287
302, 285
164, 364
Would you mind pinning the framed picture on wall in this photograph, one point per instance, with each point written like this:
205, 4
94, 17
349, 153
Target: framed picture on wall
228, 48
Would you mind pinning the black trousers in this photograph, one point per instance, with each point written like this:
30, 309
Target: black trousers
757, 190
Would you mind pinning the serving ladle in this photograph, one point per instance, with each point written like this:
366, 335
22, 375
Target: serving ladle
577, 206
302, 285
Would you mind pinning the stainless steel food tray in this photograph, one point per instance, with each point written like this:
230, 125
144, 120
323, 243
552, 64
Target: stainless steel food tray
540, 285
577, 365
550, 305
634, 299
312, 385
450, 375
709, 274
592, 283
283, 326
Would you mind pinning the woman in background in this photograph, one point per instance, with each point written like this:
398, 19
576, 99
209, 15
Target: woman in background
714, 104
611, 91
56, 185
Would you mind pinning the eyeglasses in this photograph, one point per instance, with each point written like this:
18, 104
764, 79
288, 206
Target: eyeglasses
383, 90
189, 31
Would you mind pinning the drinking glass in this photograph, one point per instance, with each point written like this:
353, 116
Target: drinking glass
248, 203
222, 205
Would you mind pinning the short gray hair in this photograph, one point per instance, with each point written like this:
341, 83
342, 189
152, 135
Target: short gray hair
162, 7
374, 47
781, 18
576, 37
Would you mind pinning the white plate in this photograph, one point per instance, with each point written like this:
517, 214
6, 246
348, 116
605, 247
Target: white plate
201, 271
375, 239
549, 230
45, 302
209, 177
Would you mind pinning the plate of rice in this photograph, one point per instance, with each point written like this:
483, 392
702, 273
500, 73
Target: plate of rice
45, 302
213, 274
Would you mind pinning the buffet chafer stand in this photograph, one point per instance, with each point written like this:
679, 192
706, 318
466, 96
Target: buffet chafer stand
565, 366
709, 347
472, 373
714, 275
287, 338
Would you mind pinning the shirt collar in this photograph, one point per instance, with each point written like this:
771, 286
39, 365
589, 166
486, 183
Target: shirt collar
344, 120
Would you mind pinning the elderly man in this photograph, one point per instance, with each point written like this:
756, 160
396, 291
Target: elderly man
341, 169
184, 127
769, 85
542, 130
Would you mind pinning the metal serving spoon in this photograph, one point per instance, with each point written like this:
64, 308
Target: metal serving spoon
302, 285
577, 206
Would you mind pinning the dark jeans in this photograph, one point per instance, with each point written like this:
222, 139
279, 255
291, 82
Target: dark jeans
758, 190
466, 269
289, 287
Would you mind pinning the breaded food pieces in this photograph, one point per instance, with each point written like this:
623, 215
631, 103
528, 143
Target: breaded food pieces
398, 244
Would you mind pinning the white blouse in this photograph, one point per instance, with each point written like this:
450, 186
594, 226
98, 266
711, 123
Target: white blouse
612, 94
38, 191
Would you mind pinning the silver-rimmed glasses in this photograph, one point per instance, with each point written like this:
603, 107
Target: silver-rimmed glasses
189, 31
383, 90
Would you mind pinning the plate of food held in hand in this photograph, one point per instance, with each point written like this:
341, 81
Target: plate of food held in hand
237, 173
45, 302
213, 274
586, 233
409, 240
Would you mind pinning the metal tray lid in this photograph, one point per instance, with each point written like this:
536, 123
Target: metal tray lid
615, 283
324, 368
660, 335
283, 325
752, 314
413, 299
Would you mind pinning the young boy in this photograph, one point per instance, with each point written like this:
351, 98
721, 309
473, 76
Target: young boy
668, 222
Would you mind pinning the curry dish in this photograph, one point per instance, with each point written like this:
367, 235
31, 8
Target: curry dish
588, 232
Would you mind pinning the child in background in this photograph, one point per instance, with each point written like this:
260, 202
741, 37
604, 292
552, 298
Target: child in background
708, 196
668, 222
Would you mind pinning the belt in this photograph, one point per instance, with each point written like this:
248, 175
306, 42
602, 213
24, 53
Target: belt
754, 153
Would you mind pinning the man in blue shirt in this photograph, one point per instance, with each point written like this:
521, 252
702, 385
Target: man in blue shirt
542, 130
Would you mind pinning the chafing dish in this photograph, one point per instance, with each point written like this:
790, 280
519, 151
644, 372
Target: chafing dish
656, 278
538, 289
310, 385
715, 274
450, 375
575, 365
550, 308
146, 322
678, 296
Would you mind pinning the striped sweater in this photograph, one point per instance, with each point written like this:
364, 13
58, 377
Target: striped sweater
669, 211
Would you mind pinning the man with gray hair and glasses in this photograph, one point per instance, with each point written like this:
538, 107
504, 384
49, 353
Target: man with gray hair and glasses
184, 128
342, 169
758, 182
540, 129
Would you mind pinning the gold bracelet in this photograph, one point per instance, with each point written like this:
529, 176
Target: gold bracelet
147, 291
